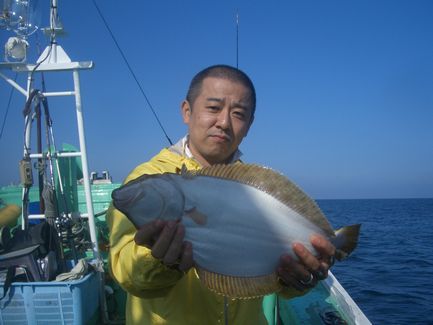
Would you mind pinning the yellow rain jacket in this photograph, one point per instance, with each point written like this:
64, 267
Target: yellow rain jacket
158, 294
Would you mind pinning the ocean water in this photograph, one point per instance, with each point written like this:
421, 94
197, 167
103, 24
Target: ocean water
390, 274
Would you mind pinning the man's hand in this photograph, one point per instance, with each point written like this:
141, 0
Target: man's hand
306, 272
166, 241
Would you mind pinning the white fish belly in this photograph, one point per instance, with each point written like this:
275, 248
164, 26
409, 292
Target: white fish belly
247, 230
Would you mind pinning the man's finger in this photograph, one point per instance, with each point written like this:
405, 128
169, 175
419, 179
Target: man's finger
306, 258
145, 235
322, 273
164, 240
292, 270
173, 252
323, 246
293, 267
187, 259
289, 281
293, 280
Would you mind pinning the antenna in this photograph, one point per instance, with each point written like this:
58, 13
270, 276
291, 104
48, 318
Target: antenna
237, 40
54, 53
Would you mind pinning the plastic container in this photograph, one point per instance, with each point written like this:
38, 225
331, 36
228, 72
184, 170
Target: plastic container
70, 302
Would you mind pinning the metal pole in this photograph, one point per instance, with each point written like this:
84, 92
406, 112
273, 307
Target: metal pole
27, 128
83, 151
15, 85
28, 124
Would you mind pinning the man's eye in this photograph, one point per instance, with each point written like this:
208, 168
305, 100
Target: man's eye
213, 108
238, 114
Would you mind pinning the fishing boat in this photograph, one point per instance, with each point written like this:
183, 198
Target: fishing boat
93, 298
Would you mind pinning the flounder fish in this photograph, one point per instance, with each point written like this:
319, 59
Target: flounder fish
240, 219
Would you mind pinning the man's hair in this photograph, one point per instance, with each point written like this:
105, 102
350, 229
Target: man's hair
224, 72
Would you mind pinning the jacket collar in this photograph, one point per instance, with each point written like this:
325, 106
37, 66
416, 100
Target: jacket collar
181, 148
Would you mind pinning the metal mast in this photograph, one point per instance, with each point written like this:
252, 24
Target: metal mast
54, 59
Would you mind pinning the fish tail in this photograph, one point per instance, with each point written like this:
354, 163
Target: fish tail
346, 240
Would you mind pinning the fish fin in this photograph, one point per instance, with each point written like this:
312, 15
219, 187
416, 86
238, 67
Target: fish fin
239, 287
345, 240
198, 217
273, 183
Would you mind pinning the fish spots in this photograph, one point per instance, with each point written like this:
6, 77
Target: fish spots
196, 216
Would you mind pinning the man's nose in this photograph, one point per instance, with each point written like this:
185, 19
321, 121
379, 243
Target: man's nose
223, 120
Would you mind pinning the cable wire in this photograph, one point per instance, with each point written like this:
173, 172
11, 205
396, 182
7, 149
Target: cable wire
7, 107
131, 71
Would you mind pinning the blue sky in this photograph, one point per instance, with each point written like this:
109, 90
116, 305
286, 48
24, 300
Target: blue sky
345, 88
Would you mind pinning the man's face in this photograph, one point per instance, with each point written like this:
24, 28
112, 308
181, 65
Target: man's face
218, 120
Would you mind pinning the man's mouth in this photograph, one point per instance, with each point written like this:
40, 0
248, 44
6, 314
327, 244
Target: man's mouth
221, 137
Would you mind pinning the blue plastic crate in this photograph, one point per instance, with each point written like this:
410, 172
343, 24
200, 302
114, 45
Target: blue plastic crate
70, 302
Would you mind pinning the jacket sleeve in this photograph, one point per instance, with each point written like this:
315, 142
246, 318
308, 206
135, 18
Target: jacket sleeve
131, 265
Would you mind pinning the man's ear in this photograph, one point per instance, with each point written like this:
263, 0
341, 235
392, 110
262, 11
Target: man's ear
186, 111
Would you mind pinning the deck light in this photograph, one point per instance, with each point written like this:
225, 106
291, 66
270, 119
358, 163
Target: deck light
22, 17
16, 49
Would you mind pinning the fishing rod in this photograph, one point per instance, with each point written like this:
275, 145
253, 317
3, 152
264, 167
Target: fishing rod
132, 72
63, 219
60, 222
135, 77
40, 163
25, 165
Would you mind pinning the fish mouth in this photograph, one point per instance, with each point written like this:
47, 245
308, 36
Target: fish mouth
124, 197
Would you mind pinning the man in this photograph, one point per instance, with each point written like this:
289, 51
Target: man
154, 264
